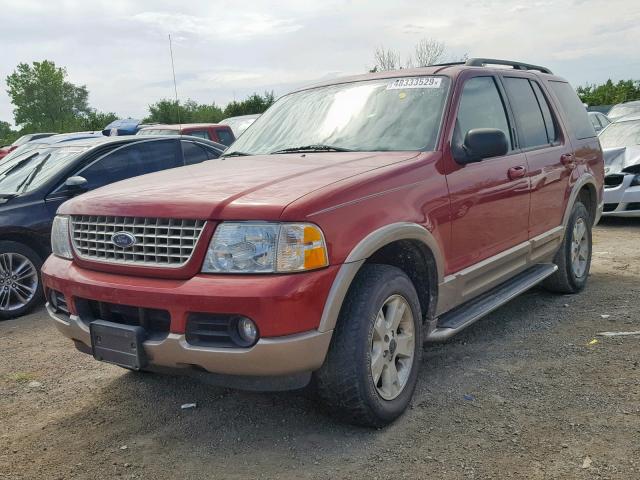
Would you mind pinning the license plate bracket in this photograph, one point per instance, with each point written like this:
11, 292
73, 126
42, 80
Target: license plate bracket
118, 344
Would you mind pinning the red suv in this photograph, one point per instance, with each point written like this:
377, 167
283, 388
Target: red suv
354, 220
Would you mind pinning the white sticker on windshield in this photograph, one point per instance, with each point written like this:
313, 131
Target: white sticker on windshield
415, 82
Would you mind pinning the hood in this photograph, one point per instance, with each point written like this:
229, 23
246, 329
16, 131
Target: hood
256, 187
622, 159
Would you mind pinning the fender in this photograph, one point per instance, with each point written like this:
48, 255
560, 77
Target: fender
585, 179
364, 249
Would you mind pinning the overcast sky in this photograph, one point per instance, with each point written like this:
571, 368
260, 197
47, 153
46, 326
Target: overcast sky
229, 49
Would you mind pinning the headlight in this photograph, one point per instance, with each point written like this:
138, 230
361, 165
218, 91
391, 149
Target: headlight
253, 247
60, 239
635, 182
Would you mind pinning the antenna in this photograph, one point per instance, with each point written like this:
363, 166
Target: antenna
175, 87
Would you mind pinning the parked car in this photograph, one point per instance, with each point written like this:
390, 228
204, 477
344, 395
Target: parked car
622, 109
239, 124
123, 126
4, 151
34, 184
58, 138
360, 217
598, 120
209, 131
621, 144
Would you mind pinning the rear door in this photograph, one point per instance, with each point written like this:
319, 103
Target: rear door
547, 149
489, 199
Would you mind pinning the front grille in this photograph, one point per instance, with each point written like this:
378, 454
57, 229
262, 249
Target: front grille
633, 206
156, 322
613, 180
164, 242
610, 207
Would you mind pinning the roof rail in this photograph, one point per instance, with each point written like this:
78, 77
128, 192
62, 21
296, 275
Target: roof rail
481, 62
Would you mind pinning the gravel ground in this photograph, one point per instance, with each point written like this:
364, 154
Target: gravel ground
524, 393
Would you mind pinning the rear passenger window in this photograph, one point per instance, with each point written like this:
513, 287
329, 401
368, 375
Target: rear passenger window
549, 121
226, 137
200, 134
194, 153
574, 110
532, 131
481, 106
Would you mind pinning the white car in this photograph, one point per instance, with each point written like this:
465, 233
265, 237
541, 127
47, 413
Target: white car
621, 147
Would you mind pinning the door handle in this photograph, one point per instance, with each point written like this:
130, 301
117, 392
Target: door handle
517, 172
568, 160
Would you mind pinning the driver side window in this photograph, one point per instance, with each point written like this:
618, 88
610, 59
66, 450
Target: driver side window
481, 106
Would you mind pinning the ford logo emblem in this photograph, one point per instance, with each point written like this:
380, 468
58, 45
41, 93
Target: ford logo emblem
123, 239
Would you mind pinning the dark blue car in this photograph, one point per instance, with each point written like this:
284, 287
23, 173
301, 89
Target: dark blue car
34, 184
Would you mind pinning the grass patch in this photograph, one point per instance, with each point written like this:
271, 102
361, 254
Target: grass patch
21, 377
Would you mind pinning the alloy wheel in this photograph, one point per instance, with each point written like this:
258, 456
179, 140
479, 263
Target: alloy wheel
18, 281
392, 347
579, 248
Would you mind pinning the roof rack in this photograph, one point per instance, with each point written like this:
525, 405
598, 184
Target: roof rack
481, 62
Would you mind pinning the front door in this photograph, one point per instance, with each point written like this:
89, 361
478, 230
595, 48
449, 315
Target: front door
489, 199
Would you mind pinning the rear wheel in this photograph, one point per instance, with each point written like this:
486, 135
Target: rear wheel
20, 286
372, 366
574, 256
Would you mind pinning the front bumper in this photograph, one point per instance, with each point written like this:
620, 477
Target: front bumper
286, 308
622, 200
303, 352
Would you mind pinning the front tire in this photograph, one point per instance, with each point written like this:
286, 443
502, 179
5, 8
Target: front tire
574, 256
20, 285
371, 370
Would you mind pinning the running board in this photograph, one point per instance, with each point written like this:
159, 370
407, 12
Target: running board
460, 317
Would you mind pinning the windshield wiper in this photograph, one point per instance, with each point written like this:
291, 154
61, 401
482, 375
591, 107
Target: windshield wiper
313, 148
236, 154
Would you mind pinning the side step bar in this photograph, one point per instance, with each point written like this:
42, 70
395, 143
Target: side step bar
460, 317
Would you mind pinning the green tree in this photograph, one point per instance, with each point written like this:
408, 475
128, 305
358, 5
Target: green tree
170, 111
253, 104
7, 135
44, 99
94, 120
610, 93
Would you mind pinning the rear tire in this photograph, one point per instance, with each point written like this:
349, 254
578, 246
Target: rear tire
574, 256
20, 284
371, 370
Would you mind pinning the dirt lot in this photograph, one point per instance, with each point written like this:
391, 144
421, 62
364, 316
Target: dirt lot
522, 394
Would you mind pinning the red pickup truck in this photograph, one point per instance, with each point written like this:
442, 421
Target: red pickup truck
354, 221
209, 131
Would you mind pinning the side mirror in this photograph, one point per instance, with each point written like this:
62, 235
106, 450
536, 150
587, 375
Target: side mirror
481, 143
76, 185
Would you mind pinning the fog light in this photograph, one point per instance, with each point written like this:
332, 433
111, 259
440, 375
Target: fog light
247, 330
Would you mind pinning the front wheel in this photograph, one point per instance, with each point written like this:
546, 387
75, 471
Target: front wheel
574, 256
20, 288
372, 366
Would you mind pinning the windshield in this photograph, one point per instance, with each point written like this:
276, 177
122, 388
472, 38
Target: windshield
621, 110
621, 134
239, 124
31, 169
401, 114
158, 132
27, 147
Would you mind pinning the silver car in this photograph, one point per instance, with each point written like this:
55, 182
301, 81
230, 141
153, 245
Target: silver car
621, 147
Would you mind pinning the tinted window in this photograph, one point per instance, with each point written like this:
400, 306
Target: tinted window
481, 106
226, 137
549, 121
595, 121
194, 153
573, 109
531, 129
199, 133
131, 161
